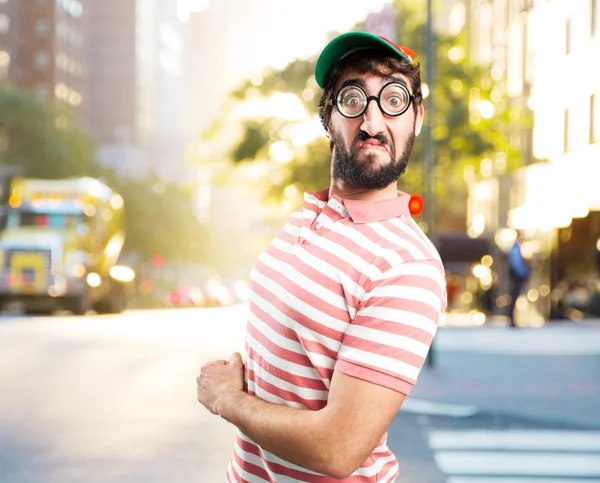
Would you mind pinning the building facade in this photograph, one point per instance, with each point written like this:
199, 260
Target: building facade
42, 49
160, 51
540, 53
111, 71
135, 84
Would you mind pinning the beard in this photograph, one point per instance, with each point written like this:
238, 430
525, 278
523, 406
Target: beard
365, 173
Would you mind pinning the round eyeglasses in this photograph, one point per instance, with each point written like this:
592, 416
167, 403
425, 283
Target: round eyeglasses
393, 99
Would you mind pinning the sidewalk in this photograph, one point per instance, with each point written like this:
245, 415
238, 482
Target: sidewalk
553, 339
478, 319
547, 373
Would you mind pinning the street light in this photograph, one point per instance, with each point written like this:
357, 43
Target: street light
429, 154
429, 148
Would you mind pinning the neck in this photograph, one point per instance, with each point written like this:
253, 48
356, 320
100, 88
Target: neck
345, 191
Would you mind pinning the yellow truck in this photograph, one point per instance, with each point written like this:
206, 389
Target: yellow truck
60, 247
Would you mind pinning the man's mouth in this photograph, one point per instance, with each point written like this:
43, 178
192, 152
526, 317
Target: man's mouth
373, 144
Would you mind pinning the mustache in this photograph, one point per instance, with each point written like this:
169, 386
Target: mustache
364, 136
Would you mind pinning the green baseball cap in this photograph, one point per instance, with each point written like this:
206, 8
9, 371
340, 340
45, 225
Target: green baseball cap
347, 43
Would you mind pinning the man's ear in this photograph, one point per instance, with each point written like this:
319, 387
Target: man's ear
419, 119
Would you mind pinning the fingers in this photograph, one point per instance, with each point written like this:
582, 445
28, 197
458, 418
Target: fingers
235, 358
220, 362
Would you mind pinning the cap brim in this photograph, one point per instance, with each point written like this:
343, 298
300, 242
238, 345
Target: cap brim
345, 43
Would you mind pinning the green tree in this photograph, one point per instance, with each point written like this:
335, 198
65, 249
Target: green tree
45, 142
159, 218
471, 122
42, 139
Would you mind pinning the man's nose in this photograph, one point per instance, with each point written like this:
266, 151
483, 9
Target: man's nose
373, 122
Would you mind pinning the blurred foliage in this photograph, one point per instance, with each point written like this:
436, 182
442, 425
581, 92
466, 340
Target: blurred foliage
45, 141
255, 138
462, 137
159, 219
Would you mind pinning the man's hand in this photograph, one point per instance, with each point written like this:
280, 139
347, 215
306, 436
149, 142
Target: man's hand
219, 380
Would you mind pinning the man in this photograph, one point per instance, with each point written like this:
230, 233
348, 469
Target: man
519, 273
346, 300
598, 256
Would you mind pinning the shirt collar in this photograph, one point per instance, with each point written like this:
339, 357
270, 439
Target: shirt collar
371, 211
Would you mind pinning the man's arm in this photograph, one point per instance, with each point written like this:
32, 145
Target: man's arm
334, 441
386, 344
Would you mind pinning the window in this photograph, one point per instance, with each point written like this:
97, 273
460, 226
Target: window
45, 220
42, 28
593, 17
568, 37
594, 119
73, 7
75, 40
527, 5
61, 91
41, 60
42, 91
62, 30
4, 64
566, 132
4, 23
74, 98
76, 9
524, 57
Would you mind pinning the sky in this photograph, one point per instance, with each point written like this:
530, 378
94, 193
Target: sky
307, 33
248, 35
274, 32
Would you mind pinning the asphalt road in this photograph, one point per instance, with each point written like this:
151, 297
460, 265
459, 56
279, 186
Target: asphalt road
112, 399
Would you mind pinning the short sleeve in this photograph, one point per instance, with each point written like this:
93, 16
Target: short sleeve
390, 336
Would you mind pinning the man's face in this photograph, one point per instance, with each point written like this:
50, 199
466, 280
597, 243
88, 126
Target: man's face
372, 150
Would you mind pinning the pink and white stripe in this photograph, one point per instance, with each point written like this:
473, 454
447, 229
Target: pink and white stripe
347, 286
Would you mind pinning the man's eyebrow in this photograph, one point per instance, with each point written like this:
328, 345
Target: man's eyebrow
357, 81
391, 78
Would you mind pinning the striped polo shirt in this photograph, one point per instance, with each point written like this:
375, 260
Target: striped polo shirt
350, 286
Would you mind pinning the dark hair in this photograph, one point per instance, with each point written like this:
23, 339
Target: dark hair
373, 61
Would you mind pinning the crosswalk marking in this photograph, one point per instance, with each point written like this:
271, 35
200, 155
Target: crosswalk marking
517, 439
517, 456
479, 479
530, 464
432, 408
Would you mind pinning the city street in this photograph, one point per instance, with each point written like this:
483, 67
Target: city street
112, 399
505, 405
164, 162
